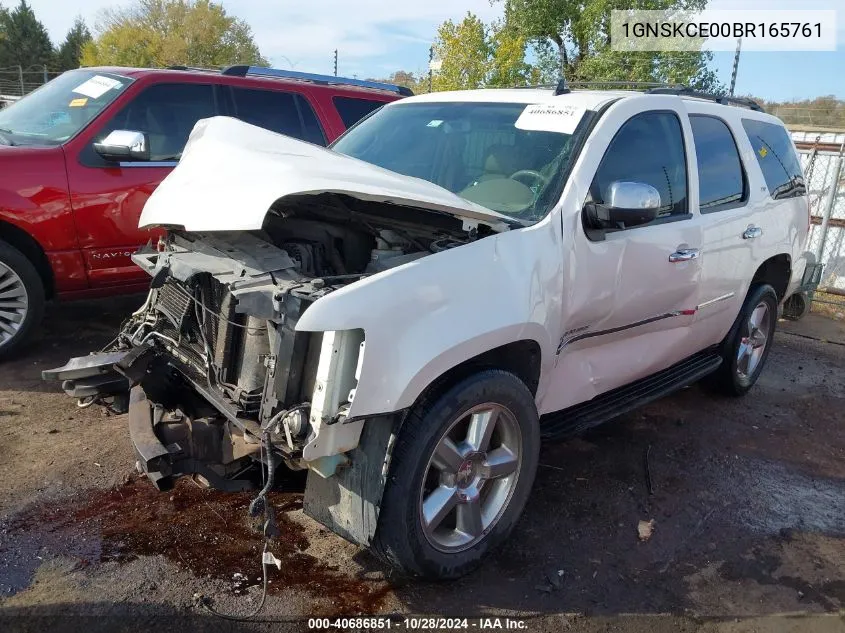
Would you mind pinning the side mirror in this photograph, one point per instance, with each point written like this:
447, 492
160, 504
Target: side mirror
626, 204
124, 145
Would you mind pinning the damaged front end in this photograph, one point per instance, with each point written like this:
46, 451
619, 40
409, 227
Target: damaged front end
213, 372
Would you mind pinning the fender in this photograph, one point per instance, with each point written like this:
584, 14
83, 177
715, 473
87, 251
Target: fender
426, 317
34, 195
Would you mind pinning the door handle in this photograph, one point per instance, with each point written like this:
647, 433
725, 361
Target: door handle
751, 232
684, 255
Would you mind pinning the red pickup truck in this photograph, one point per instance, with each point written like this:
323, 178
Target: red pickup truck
80, 156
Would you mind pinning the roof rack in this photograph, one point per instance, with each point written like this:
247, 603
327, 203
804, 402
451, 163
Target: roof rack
194, 68
563, 87
243, 70
722, 99
636, 85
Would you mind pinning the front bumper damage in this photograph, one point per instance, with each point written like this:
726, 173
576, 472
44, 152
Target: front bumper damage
163, 463
210, 375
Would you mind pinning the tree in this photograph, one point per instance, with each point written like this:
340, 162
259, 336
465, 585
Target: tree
407, 79
577, 34
24, 41
69, 54
507, 63
4, 16
465, 51
172, 32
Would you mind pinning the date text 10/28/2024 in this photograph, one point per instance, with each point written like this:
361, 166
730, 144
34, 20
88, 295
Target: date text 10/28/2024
421, 623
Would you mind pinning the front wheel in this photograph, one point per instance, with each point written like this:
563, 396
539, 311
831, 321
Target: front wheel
745, 353
21, 299
461, 472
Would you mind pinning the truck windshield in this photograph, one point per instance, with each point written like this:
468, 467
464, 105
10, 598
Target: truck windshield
59, 109
476, 150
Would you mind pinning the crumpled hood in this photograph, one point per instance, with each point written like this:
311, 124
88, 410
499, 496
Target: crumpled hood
232, 172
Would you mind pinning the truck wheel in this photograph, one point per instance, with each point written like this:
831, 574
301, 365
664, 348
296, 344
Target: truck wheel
21, 299
461, 472
745, 353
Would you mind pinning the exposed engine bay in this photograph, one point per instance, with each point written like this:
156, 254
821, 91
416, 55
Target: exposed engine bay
220, 378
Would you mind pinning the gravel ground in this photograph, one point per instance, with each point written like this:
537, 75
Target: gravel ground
747, 500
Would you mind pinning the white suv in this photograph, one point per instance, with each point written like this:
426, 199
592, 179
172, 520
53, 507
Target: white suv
407, 314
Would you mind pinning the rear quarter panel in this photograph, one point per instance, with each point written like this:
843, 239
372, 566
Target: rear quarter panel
785, 222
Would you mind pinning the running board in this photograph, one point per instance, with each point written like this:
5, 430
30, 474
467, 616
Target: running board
579, 418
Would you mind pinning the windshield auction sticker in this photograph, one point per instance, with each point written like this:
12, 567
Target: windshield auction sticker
550, 117
97, 86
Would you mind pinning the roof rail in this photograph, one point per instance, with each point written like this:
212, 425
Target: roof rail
259, 71
637, 85
195, 68
723, 99
562, 86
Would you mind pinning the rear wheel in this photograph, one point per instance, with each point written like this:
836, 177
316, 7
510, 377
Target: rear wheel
745, 353
21, 299
461, 472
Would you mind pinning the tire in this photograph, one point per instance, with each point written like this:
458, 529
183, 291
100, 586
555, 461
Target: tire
21, 299
442, 551
737, 374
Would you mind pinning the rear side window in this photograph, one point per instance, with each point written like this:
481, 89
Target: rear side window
352, 110
648, 148
777, 158
721, 181
287, 113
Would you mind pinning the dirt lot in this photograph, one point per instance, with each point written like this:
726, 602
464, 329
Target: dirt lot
748, 506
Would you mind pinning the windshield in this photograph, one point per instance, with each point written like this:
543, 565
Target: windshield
472, 149
59, 109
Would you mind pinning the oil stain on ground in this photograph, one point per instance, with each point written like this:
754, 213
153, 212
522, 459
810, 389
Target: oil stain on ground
205, 531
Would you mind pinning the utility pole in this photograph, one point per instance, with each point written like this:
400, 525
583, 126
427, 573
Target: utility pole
736, 64
20, 76
46, 79
430, 60
335, 62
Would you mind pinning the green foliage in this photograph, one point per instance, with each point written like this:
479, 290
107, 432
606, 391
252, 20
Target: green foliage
69, 54
475, 55
23, 39
172, 32
464, 50
573, 37
507, 65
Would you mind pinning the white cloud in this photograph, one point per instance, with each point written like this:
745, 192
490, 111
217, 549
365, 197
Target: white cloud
372, 36
365, 32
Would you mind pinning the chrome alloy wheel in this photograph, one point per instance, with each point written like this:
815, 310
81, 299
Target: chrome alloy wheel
13, 303
470, 477
753, 343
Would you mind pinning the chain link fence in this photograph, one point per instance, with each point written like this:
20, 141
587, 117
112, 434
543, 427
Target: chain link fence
823, 160
16, 81
831, 116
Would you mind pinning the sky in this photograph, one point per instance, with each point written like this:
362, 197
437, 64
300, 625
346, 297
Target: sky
377, 37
